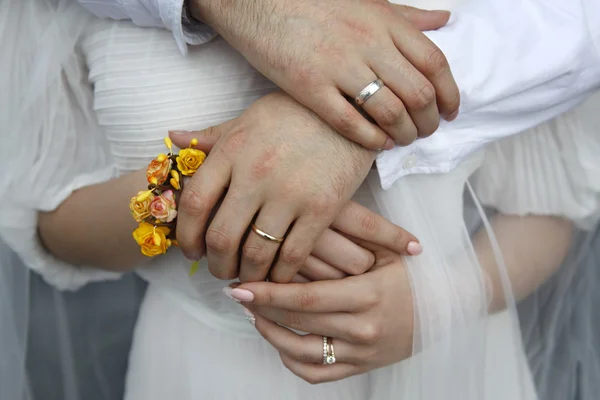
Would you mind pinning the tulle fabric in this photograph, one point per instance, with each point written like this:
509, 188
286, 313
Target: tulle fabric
461, 350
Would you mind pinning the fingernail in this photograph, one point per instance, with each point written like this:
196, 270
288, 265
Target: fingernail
242, 295
227, 290
414, 248
452, 116
249, 316
389, 144
179, 132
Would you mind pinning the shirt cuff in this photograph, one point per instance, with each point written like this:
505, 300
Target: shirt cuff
186, 31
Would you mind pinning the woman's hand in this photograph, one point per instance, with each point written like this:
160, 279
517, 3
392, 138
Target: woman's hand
369, 317
279, 166
335, 256
320, 51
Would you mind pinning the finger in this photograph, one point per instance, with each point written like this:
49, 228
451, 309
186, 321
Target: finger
198, 198
412, 89
384, 106
343, 254
431, 62
389, 112
338, 325
360, 222
258, 253
296, 248
225, 233
424, 20
317, 270
338, 112
305, 348
206, 138
315, 374
351, 294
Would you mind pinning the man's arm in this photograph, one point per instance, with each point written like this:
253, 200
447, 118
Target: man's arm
517, 64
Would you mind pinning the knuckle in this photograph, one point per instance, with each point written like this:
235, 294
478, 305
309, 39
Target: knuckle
361, 263
306, 299
323, 205
236, 139
435, 63
423, 97
218, 241
345, 121
255, 254
193, 201
292, 319
368, 333
292, 255
391, 113
369, 223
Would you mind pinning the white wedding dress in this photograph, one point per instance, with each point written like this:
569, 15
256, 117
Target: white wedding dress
192, 342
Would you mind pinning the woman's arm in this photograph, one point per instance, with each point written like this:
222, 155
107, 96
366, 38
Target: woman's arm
533, 247
93, 226
371, 316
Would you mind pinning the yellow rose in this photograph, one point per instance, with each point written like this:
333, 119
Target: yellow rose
152, 240
189, 160
140, 209
158, 170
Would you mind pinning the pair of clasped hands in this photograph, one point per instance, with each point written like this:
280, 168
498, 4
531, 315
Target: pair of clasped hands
293, 160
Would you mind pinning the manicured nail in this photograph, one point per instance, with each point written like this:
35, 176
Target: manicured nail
249, 316
179, 132
414, 248
242, 295
389, 144
452, 116
227, 290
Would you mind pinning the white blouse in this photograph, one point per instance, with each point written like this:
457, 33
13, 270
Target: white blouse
517, 63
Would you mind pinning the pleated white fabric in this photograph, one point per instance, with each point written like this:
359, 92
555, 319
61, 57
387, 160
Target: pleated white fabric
191, 341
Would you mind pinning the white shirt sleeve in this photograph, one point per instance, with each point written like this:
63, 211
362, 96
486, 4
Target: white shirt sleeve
518, 63
155, 14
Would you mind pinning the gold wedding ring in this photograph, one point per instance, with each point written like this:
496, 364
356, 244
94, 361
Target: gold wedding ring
266, 236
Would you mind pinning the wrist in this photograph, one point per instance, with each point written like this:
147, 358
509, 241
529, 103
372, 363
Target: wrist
209, 12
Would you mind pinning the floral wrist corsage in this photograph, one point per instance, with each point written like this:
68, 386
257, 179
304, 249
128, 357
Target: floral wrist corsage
156, 208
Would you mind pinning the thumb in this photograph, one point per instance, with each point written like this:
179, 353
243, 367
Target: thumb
424, 20
207, 138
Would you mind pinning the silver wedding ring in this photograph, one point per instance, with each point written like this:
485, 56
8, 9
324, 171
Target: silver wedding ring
368, 91
328, 352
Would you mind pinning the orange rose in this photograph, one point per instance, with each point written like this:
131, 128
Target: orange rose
158, 170
152, 240
189, 160
140, 206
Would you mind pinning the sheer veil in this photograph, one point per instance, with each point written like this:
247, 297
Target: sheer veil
462, 349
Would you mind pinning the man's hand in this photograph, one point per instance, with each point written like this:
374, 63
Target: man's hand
277, 165
320, 51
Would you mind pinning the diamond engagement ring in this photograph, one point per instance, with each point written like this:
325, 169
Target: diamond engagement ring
328, 352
